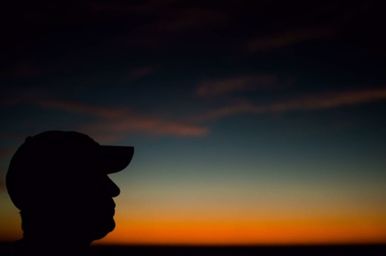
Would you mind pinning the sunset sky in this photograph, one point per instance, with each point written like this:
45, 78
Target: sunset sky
253, 123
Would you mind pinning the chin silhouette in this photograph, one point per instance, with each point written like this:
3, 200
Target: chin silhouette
59, 182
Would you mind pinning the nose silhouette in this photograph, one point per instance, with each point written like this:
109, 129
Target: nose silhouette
112, 188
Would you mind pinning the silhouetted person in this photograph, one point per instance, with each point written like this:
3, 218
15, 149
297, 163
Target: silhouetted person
59, 181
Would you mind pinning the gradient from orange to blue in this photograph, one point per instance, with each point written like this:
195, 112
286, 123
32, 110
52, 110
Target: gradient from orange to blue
253, 123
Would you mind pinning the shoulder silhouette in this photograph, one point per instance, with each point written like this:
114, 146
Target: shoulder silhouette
59, 182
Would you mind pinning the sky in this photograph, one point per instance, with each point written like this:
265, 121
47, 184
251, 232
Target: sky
253, 122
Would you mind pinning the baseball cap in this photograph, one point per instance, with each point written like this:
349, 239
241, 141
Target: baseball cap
56, 154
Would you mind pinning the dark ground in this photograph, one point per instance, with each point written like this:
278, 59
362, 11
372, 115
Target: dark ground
368, 250
336, 250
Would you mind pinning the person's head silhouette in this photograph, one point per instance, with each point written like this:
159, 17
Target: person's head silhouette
58, 180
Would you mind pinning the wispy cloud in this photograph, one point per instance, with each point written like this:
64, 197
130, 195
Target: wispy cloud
219, 87
118, 122
118, 128
309, 102
222, 112
287, 38
112, 123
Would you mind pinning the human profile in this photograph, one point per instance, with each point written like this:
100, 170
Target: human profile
59, 182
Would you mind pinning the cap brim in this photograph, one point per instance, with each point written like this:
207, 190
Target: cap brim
116, 158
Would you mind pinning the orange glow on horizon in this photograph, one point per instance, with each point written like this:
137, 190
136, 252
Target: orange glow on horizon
228, 232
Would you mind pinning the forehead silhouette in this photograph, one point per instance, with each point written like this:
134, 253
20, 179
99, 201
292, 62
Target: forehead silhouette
58, 160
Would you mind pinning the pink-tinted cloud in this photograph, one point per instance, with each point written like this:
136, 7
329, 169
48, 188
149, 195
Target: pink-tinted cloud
119, 128
310, 102
332, 100
235, 84
113, 122
284, 39
231, 110
116, 122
